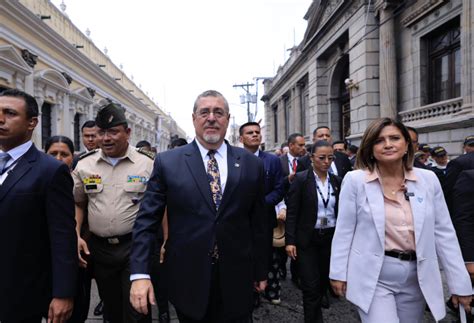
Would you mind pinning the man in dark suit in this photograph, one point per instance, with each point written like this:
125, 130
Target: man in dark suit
455, 167
38, 240
216, 251
251, 138
463, 216
290, 162
89, 139
341, 164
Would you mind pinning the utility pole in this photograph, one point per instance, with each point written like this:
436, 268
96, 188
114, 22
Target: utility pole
248, 97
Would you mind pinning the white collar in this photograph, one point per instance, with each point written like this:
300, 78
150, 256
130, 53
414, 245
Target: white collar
221, 151
18, 151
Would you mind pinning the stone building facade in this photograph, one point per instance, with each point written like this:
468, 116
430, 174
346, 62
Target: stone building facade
44, 54
364, 59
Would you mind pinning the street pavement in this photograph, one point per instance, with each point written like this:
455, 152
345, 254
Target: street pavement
290, 310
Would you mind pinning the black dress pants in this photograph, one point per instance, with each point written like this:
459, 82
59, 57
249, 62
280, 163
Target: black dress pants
158, 278
214, 312
313, 265
112, 274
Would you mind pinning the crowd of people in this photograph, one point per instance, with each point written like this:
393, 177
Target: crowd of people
210, 227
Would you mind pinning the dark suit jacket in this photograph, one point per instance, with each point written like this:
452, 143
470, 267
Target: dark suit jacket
343, 164
274, 191
463, 213
454, 168
302, 207
302, 164
179, 181
38, 240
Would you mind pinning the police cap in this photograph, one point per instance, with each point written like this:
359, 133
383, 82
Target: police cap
110, 115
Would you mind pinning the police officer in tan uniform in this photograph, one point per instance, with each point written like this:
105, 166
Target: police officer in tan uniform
109, 183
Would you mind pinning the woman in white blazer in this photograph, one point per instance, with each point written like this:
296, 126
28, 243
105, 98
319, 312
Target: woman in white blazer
393, 226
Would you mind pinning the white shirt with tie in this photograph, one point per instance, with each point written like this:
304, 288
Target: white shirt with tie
15, 154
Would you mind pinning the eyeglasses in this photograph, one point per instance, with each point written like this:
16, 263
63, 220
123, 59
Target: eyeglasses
205, 113
323, 158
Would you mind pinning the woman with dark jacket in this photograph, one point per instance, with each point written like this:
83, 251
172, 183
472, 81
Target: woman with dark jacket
310, 223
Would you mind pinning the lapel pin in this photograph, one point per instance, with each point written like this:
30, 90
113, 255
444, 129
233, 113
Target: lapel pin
420, 199
237, 165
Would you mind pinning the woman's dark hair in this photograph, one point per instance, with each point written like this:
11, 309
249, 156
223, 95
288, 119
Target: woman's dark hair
318, 144
59, 139
365, 155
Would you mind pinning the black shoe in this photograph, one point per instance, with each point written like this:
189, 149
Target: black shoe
99, 309
325, 301
164, 317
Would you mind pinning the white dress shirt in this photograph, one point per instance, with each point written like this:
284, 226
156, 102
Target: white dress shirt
290, 162
15, 154
325, 213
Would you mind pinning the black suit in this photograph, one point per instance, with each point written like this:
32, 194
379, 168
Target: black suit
313, 245
179, 182
463, 213
302, 164
454, 168
342, 162
38, 240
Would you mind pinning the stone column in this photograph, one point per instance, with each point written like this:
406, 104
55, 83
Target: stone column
297, 109
281, 121
388, 60
467, 52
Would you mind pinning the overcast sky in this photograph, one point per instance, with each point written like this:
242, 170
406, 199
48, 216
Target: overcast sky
177, 49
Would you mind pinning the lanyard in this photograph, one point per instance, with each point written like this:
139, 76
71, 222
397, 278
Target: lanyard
325, 201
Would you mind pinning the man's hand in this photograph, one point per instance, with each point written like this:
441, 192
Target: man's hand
339, 287
291, 251
140, 293
260, 286
162, 252
282, 215
82, 246
60, 310
464, 300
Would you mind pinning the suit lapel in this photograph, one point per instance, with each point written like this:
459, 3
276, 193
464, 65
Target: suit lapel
376, 203
21, 168
196, 168
284, 165
418, 206
233, 175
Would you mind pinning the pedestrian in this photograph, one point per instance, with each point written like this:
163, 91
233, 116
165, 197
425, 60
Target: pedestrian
110, 183
89, 140
392, 228
310, 222
251, 138
37, 228
455, 167
341, 164
216, 250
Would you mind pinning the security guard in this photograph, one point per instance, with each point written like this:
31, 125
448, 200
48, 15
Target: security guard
109, 183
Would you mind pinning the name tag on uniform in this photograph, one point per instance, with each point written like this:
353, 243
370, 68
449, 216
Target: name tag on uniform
136, 179
91, 186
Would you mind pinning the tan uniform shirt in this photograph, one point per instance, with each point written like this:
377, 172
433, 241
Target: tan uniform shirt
112, 193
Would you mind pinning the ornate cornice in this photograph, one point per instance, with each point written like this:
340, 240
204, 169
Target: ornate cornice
421, 11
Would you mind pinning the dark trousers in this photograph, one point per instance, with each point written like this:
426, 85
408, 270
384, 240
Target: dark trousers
158, 278
313, 265
33, 319
83, 296
112, 274
214, 312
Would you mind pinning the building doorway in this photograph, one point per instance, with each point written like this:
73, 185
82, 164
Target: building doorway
340, 107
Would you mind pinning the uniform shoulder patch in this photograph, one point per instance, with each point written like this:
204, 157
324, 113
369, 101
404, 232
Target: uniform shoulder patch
89, 153
147, 153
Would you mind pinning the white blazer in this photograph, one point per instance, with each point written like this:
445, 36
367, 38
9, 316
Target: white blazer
358, 244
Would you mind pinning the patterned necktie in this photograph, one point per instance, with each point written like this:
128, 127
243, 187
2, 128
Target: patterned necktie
214, 178
4, 158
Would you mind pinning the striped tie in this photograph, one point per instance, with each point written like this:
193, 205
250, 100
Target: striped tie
4, 158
